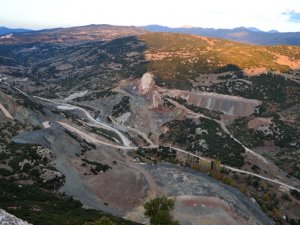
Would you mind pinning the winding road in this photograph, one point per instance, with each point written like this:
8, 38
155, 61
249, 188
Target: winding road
127, 142
66, 106
5, 112
96, 141
221, 123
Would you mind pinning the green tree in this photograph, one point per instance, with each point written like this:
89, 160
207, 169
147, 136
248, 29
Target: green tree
163, 217
158, 210
102, 221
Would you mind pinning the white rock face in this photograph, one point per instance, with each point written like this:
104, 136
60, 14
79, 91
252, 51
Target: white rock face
8, 219
47, 175
146, 83
123, 118
76, 95
230, 105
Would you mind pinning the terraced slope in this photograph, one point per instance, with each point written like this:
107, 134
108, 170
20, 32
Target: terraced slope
179, 57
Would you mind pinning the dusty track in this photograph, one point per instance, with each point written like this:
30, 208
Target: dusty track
5, 112
65, 106
221, 123
127, 147
96, 141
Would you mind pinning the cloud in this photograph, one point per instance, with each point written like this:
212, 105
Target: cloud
293, 16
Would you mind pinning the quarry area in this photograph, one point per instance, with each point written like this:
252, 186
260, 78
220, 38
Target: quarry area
97, 120
126, 146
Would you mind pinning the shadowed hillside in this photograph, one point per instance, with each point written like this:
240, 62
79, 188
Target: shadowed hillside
171, 57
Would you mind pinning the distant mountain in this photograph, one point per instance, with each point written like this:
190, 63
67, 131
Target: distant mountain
74, 34
273, 31
254, 29
5, 30
250, 35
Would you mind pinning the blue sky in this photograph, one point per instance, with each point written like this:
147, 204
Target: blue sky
282, 15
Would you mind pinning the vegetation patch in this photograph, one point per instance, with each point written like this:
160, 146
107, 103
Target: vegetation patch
96, 166
159, 211
41, 207
282, 135
204, 137
162, 153
122, 107
275, 91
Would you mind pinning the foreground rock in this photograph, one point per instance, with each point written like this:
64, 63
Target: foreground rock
8, 219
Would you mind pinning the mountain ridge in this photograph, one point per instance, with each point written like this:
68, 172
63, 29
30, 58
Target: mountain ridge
250, 35
6, 30
90, 32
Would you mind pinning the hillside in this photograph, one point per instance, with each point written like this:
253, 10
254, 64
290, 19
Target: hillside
176, 58
240, 34
179, 57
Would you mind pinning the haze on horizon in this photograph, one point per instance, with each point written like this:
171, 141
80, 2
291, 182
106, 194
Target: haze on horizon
281, 15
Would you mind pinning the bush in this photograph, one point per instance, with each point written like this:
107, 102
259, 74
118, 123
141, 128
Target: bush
158, 210
103, 221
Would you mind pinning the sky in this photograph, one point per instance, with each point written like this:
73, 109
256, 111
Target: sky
281, 15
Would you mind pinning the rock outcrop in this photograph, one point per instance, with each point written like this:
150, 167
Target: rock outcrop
8, 219
146, 83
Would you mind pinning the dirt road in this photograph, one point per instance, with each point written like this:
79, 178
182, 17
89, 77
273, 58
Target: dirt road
65, 106
5, 112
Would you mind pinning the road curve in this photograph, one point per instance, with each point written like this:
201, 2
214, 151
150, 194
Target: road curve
94, 140
221, 123
143, 135
66, 106
5, 112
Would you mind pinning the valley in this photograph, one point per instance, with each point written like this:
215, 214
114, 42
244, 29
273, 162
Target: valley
128, 115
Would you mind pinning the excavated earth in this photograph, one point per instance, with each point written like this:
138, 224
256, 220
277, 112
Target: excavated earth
202, 200
124, 188
230, 105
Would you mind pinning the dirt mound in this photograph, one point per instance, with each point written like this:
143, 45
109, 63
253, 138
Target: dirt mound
209, 210
202, 200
